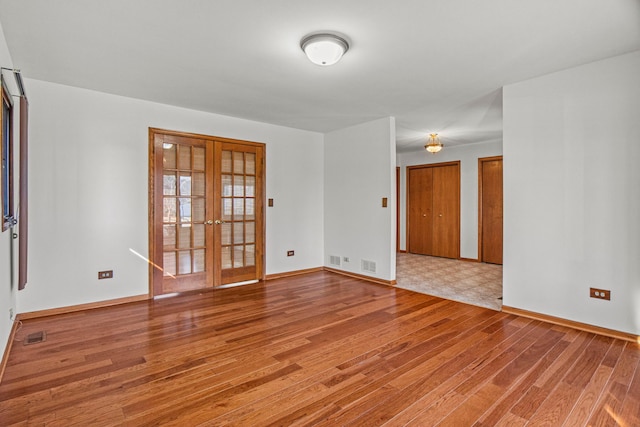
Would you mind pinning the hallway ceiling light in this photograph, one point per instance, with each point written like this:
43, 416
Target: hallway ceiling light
434, 145
324, 49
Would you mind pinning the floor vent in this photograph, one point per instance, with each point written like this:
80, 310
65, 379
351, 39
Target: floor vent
35, 338
368, 266
334, 260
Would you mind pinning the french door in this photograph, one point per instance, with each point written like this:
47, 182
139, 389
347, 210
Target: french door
238, 236
207, 216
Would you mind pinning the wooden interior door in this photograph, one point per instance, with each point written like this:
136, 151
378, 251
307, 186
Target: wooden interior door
446, 211
420, 210
183, 207
433, 209
490, 209
239, 211
207, 211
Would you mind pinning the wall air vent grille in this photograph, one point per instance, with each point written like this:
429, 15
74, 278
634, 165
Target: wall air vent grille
368, 266
334, 260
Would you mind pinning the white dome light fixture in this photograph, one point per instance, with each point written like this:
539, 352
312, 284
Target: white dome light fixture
324, 49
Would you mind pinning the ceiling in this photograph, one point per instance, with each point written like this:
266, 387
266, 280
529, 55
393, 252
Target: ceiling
435, 65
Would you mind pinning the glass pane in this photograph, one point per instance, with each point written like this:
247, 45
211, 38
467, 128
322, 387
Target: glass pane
169, 264
185, 184
169, 187
185, 209
184, 262
198, 184
238, 162
184, 237
169, 236
197, 210
250, 163
238, 185
226, 162
249, 232
238, 256
227, 186
198, 235
250, 209
169, 160
198, 260
227, 209
198, 158
184, 157
238, 234
169, 210
250, 255
238, 209
250, 186
226, 257
226, 233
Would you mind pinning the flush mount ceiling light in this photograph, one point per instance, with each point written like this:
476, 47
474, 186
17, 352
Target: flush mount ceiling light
434, 145
324, 48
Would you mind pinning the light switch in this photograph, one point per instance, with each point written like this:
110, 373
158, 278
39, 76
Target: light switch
270, 203
384, 202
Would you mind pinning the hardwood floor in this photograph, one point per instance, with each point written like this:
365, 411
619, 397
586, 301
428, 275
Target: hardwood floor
318, 349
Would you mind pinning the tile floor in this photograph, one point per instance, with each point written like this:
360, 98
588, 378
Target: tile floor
469, 282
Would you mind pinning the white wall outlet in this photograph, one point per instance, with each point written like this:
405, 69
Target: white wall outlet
11, 314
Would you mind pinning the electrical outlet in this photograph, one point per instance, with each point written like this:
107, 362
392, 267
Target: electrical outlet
11, 314
600, 294
345, 259
290, 253
108, 274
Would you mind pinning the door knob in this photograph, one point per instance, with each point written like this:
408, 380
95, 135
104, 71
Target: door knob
440, 215
210, 222
219, 221
424, 214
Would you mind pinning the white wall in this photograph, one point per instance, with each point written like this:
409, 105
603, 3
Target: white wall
359, 172
89, 191
7, 286
468, 156
295, 171
572, 193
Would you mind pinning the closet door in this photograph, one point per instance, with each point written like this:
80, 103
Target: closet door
446, 211
433, 211
420, 229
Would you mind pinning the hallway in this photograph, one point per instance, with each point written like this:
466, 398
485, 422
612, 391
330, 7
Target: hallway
468, 282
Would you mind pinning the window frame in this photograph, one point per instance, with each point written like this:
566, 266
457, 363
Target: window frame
7, 154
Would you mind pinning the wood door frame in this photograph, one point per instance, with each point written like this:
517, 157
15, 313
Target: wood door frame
407, 201
481, 161
155, 248
397, 209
